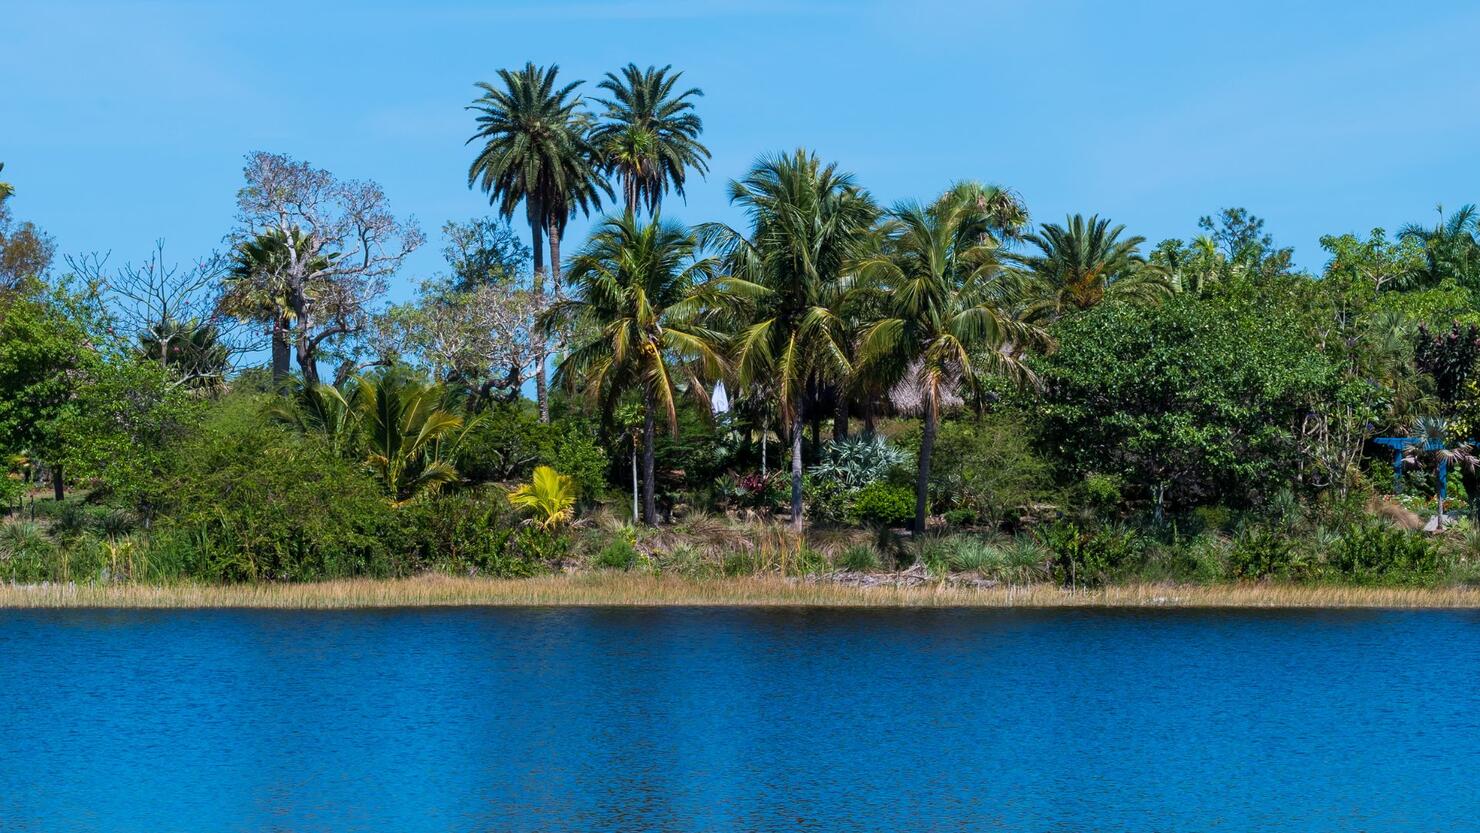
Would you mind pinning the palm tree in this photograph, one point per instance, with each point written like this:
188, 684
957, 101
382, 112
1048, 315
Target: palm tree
535, 151
1084, 262
329, 411
1451, 248
192, 349
949, 302
644, 294
649, 136
549, 495
6, 189
257, 288
808, 222
405, 427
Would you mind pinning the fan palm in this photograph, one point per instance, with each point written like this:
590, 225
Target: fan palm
1084, 262
808, 222
644, 295
650, 137
191, 349
257, 289
535, 151
949, 319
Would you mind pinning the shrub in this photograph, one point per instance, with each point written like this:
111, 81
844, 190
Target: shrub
885, 504
260, 503
860, 558
986, 467
1259, 552
857, 461
975, 555
467, 531
616, 555
1374, 554
1089, 558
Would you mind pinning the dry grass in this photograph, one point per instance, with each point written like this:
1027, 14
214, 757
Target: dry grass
627, 589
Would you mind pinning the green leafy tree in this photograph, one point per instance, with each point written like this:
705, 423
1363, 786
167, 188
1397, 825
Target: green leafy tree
258, 287
535, 149
1451, 250
1084, 262
949, 319
643, 292
649, 135
809, 222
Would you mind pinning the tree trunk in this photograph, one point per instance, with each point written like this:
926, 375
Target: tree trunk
796, 468
554, 234
765, 432
282, 351
840, 417
927, 446
649, 494
307, 362
868, 415
58, 488
635, 514
535, 213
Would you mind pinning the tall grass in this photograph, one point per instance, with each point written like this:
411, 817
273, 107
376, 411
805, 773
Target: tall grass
637, 589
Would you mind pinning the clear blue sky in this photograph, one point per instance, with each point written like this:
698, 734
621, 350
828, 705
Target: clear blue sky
124, 122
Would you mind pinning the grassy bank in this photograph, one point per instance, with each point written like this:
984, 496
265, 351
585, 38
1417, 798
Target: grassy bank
635, 590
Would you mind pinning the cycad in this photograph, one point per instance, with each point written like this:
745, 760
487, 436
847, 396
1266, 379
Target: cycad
1084, 262
407, 433
549, 497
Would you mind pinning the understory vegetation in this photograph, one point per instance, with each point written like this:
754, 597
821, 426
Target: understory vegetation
940, 391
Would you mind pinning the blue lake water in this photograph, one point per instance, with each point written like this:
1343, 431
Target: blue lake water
739, 720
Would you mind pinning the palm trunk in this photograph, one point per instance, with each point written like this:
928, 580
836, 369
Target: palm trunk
840, 417
635, 514
927, 446
765, 432
649, 496
868, 415
796, 467
629, 192
282, 352
58, 488
535, 212
554, 235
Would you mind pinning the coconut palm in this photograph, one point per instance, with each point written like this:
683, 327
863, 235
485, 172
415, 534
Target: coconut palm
949, 320
649, 137
332, 412
1084, 262
644, 294
808, 223
1451, 248
535, 151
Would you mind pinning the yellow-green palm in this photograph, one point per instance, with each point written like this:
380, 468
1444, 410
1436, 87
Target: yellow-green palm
550, 498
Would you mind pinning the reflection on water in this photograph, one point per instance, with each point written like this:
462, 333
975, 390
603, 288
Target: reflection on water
738, 720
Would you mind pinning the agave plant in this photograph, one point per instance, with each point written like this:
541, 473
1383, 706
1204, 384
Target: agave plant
856, 462
550, 498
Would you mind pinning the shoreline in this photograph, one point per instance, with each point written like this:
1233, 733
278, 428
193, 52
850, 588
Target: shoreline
639, 590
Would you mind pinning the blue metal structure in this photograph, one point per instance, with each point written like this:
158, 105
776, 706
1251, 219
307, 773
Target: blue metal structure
1398, 444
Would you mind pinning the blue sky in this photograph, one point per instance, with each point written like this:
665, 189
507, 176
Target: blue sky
124, 122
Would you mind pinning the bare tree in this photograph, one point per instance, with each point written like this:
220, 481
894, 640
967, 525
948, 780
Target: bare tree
168, 312
350, 245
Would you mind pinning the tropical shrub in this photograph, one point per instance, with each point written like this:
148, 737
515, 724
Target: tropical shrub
857, 461
618, 554
1379, 554
1089, 557
987, 467
549, 498
463, 532
1259, 552
885, 504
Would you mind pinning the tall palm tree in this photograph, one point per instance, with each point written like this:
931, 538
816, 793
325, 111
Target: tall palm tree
649, 137
1451, 248
644, 293
949, 302
808, 223
535, 151
192, 349
1084, 262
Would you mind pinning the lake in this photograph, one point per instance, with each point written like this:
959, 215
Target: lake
693, 719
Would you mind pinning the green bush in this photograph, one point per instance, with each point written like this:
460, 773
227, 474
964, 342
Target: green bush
1378, 554
885, 504
860, 558
986, 468
618, 554
1260, 552
462, 532
260, 503
1089, 558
